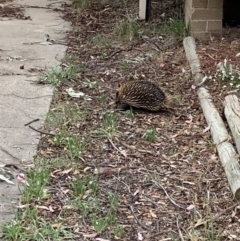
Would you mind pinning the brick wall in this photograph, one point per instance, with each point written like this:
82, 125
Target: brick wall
204, 17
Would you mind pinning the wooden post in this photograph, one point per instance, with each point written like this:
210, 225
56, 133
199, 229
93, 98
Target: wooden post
144, 9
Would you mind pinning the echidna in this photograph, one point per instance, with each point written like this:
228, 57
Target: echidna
140, 94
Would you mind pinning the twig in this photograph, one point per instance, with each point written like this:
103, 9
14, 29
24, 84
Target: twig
134, 148
149, 41
116, 147
158, 229
42, 132
136, 218
158, 233
31, 122
179, 230
129, 190
171, 200
224, 211
81, 158
149, 200
210, 56
117, 52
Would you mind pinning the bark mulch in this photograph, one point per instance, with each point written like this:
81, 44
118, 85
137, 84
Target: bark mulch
173, 188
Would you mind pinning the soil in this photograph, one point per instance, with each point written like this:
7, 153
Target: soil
173, 188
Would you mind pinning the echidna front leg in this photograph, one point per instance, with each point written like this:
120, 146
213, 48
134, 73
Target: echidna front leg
122, 106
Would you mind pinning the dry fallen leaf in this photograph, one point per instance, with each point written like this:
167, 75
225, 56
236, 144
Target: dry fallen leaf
46, 208
65, 191
105, 170
22, 206
152, 214
66, 171
74, 94
102, 239
140, 237
90, 235
161, 65
21, 178
200, 222
86, 169
190, 119
207, 128
56, 225
136, 192
191, 207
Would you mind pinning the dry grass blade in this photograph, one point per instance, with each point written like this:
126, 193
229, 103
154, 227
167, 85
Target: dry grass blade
137, 220
179, 230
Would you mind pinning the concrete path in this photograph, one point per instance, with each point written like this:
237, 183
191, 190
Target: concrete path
22, 101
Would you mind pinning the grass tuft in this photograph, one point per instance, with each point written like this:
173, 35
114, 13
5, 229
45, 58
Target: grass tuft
151, 134
57, 76
127, 30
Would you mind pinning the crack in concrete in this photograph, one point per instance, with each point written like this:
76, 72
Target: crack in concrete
9, 154
32, 98
27, 98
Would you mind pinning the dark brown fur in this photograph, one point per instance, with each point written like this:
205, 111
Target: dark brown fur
140, 94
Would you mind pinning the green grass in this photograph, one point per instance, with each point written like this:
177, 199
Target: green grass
57, 76
211, 233
28, 226
29, 223
174, 27
228, 74
113, 200
91, 84
88, 206
64, 114
129, 113
127, 30
102, 99
87, 202
82, 4
101, 40
177, 99
32, 221
73, 145
100, 223
123, 65
109, 126
151, 134
37, 188
118, 231
206, 228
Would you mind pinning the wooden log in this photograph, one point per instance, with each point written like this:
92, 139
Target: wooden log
229, 160
232, 113
218, 130
226, 151
190, 46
